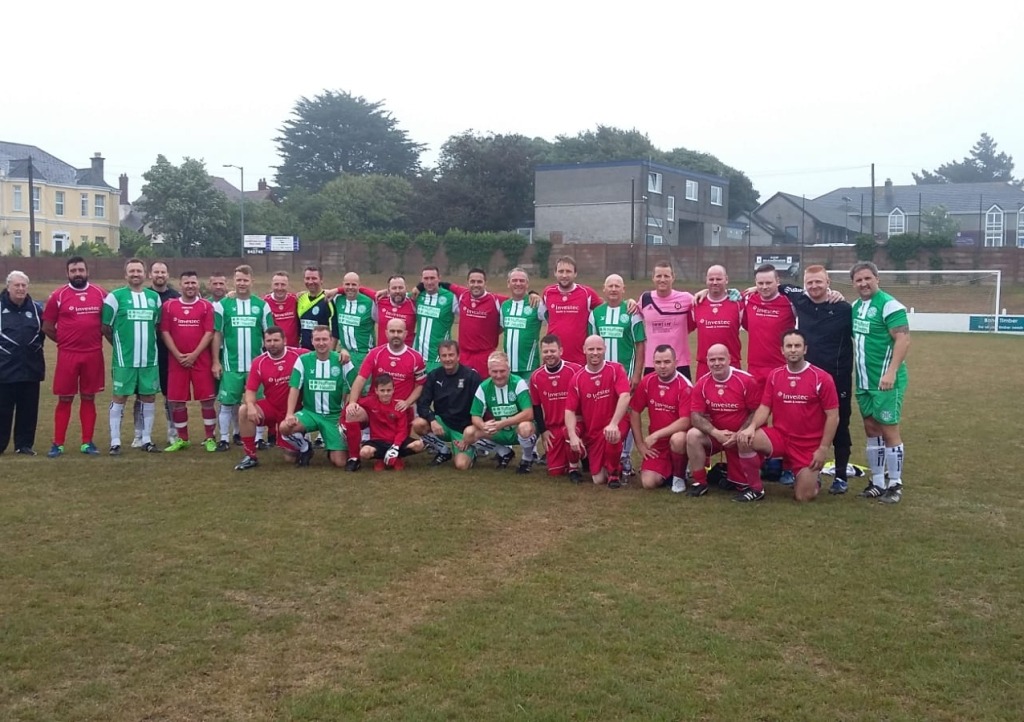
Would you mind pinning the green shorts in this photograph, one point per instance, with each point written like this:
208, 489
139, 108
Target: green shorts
451, 434
127, 381
885, 407
232, 387
506, 437
327, 425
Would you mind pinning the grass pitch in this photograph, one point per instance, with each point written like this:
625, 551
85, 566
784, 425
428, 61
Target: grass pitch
173, 588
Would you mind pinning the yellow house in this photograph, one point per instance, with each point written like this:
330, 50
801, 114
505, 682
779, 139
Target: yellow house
72, 205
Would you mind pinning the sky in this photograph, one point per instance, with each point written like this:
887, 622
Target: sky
801, 96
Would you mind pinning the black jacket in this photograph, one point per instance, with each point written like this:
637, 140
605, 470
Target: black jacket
449, 397
829, 331
21, 341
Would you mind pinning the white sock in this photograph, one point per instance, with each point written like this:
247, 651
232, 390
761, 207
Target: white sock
226, 418
300, 441
502, 450
434, 443
894, 463
116, 412
137, 417
148, 415
528, 443
876, 460
172, 431
261, 433
627, 445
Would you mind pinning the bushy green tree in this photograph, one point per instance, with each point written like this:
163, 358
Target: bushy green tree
180, 205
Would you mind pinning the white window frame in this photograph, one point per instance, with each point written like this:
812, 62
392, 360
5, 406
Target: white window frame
58, 203
83, 239
37, 198
716, 195
1020, 229
85, 204
36, 238
16, 242
897, 222
655, 222
692, 190
655, 239
101, 240
19, 201
670, 211
654, 182
995, 222
101, 206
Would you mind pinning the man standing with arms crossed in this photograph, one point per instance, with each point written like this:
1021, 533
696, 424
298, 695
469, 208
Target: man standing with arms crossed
522, 323
599, 394
73, 319
186, 325
131, 315
881, 340
239, 325
443, 410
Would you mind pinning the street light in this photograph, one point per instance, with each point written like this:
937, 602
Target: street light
241, 205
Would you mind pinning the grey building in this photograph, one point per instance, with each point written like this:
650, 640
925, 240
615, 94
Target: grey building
630, 201
808, 221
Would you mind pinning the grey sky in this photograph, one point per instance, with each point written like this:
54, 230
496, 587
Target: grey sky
801, 96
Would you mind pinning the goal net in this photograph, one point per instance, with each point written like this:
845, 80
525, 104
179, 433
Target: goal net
938, 300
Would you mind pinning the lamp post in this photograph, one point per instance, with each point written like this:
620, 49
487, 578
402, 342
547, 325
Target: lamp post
241, 206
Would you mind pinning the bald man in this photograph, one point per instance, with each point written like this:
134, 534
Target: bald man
717, 319
355, 317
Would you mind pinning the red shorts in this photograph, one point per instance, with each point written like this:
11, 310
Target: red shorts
272, 416
180, 380
476, 360
796, 454
602, 454
557, 452
661, 464
78, 373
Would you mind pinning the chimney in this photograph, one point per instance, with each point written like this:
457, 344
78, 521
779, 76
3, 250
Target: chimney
97, 164
889, 198
122, 181
262, 184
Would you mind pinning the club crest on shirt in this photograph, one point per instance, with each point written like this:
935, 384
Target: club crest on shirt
872, 312
792, 384
661, 392
714, 309
361, 308
565, 298
316, 310
152, 304
393, 364
721, 392
335, 372
462, 383
442, 301
186, 311
597, 382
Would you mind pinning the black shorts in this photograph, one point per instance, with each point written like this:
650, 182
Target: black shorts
380, 446
684, 370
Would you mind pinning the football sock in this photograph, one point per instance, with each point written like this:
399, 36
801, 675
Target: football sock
87, 416
61, 419
172, 431
261, 433
249, 446
116, 411
353, 438
137, 417
894, 463
627, 445
842, 462
528, 443
148, 415
501, 450
678, 464
876, 460
226, 417
179, 414
299, 441
435, 443
209, 421
750, 471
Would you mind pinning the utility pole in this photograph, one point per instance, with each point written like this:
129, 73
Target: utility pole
31, 212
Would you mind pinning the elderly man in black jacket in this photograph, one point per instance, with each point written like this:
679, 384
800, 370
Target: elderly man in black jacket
22, 367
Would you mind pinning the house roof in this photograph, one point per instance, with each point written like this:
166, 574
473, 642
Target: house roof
631, 163
829, 213
961, 198
45, 167
233, 193
760, 221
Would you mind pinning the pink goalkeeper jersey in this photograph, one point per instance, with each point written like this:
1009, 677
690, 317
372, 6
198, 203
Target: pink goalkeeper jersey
667, 321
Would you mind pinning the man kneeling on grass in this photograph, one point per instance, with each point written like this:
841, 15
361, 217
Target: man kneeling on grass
503, 414
389, 428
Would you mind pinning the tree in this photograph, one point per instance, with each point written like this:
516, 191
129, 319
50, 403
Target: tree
338, 133
483, 182
182, 206
362, 204
131, 241
937, 222
983, 164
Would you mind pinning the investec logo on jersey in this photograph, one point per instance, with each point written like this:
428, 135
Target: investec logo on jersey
598, 395
722, 406
794, 398
244, 321
322, 384
714, 322
140, 314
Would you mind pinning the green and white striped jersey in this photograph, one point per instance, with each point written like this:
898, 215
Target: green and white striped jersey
502, 403
872, 343
324, 383
241, 323
134, 318
435, 315
522, 323
354, 323
620, 331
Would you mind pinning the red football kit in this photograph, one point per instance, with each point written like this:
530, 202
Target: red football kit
273, 374
717, 322
479, 328
286, 315
406, 367
666, 402
594, 396
387, 311
728, 405
386, 423
765, 322
187, 323
77, 314
568, 312
549, 390
798, 401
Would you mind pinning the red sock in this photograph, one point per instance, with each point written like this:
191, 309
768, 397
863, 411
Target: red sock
751, 468
61, 419
353, 438
87, 415
209, 421
678, 465
179, 415
249, 445
700, 476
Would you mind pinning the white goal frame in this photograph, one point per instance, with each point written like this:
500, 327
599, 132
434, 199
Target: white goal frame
992, 321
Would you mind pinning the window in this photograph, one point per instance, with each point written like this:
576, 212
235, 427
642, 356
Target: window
716, 235
655, 222
35, 198
58, 204
793, 232
101, 205
994, 227
17, 198
1020, 229
85, 205
654, 239
692, 190
897, 222
101, 241
35, 242
16, 243
670, 212
58, 243
716, 195
83, 239
654, 182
